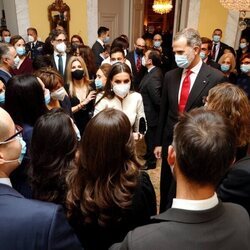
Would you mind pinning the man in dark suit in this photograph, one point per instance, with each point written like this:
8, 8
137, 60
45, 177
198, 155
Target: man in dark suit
34, 46
99, 46
202, 151
183, 90
218, 46
135, 58
60, 58
150, 89
205, 54
26, 224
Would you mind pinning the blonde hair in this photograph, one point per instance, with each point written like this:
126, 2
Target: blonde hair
70, 81
232, 60
233, 103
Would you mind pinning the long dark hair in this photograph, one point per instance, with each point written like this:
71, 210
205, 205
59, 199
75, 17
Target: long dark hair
116, 69
52, 152
107, 173
24, 99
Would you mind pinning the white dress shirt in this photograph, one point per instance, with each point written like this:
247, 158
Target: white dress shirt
5, 181
196, 205
64, 58
195, 71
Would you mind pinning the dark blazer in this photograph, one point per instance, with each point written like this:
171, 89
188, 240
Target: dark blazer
223, 46
224, 227
150, 89
235, 187
207, 78
97, 49
65, 71
137, 76
213, 64
35, 50
30, 224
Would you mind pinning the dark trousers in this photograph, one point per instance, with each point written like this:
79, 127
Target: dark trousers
150, 142
165, 184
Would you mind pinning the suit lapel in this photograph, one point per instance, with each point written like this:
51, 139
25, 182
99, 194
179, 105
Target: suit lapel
200, 83
176, 87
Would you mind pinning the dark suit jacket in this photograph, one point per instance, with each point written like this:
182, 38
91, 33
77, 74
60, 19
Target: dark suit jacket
221, 50
137, 76
97, 49
213, 64
65, 71
235, 187
207, 78
150, 89
224, 227
29, 224
35, 50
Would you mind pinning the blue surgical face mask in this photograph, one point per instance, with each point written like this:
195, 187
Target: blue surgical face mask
216, 38
182, 61
245, 68
106, 39
6, 39
23, 150
243, 45
2, 97
224, 67
98, 83
157, 44
20, 51
203, 55
47, 96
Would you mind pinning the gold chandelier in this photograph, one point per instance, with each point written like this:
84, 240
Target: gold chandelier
240, 5
162, 6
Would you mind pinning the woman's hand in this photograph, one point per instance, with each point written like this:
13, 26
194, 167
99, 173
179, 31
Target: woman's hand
91, 96
137, 136
157, 152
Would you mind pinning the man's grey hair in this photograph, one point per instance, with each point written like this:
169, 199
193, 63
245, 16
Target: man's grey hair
192, 36
4, 51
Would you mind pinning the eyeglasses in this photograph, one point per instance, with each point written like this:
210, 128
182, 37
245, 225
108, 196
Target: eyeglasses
60, 40
18, 133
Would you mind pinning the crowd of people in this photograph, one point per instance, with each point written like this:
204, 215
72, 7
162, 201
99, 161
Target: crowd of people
70, 119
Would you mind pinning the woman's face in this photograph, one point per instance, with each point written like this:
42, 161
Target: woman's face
227, 61
245, 61
100, 75
19, 43
121, 78
76, 65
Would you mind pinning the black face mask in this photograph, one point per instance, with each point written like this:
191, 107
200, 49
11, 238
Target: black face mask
139, 52
78, 74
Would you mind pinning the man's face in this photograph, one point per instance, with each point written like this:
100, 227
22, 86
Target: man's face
117, 57
59, 39
33, 34
180, 47
204, 48
147, 61
9, 59
157, 40
5, 33
140, 44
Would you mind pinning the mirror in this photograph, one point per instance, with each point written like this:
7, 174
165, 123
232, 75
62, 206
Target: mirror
59, 16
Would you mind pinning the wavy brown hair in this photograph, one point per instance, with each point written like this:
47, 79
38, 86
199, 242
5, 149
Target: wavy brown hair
232, 102
103, 184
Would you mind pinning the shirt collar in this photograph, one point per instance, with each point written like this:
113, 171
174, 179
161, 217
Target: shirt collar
57, 53
196, 68
196, 205
100, 41
151, 68
6, 181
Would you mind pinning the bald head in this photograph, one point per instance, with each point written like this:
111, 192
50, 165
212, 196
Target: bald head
140, 41
7, 126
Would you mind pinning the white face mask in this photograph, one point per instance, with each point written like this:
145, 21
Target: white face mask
31, 39
61, 47
143, 61
16, 62
121, 89
59, 94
